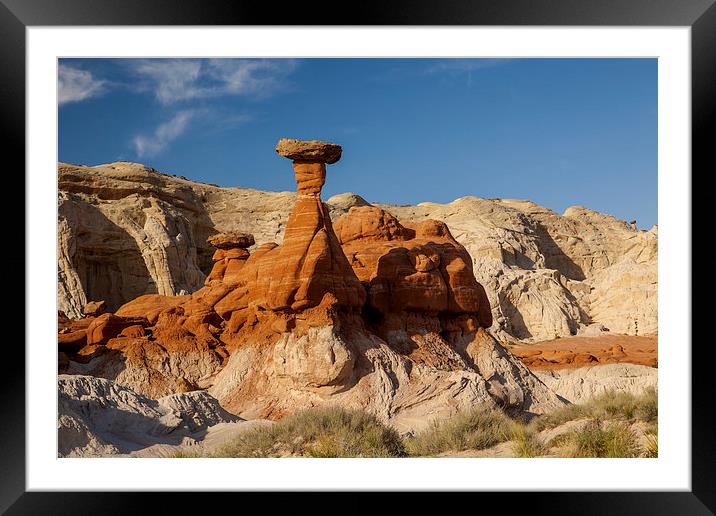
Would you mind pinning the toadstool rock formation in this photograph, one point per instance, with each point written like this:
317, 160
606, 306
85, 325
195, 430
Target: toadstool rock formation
376, 314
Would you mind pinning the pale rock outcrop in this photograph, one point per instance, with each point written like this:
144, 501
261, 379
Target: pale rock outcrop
124, 234
359, 370
97, 417
582, 384
624, 297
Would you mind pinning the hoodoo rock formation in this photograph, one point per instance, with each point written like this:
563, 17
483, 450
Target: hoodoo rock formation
378, 314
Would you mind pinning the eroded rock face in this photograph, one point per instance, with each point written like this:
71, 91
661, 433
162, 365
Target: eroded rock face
98, 417
546, 275
357, 369
411, 269
124, 232
582, 384
397, 328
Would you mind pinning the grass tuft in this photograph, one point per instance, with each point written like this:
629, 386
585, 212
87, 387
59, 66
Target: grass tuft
601, 440
336, 432
609, 406
325, 432
184, 454
526, 443
651, 450
474, 430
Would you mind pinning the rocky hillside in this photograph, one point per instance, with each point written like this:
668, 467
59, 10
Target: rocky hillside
126, 230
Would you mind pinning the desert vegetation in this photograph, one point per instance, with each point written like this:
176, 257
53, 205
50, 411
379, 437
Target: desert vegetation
325, 432
615, 424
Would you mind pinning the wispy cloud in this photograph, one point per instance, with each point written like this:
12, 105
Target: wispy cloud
175, 80
75, 85
163, 135
457, 65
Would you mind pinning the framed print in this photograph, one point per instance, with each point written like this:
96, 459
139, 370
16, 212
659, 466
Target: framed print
425, 248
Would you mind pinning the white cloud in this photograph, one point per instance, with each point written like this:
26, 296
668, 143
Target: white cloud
242, 76
171, 79
164, 134
174, 80
75, 85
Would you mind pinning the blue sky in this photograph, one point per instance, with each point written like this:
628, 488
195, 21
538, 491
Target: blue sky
559, 132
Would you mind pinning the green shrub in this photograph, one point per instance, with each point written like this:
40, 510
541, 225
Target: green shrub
474, 430
325, 432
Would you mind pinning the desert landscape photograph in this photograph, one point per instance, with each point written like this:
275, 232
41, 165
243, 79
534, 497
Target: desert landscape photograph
357, 257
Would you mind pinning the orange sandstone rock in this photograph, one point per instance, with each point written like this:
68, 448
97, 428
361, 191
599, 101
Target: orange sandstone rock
108, 326
149, 306
413, 267
231, 240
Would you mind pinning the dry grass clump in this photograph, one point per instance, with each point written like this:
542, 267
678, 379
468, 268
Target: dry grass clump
608, 406
474, 430
600, 440
184, 454
335, 432
325, 432
651, 436
526, 443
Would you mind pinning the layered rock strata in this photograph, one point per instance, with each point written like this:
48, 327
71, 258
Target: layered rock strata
126, 230
375, 314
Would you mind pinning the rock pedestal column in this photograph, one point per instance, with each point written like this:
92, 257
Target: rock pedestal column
229, 258
311, 263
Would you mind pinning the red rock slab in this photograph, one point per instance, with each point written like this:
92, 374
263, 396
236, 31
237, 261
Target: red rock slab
149, 306
573, 352
72, 341
108, 326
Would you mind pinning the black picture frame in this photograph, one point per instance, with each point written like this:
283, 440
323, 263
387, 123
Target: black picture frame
17, 15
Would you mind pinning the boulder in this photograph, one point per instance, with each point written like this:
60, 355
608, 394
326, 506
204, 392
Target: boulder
94, 308
231, 240
309, 150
